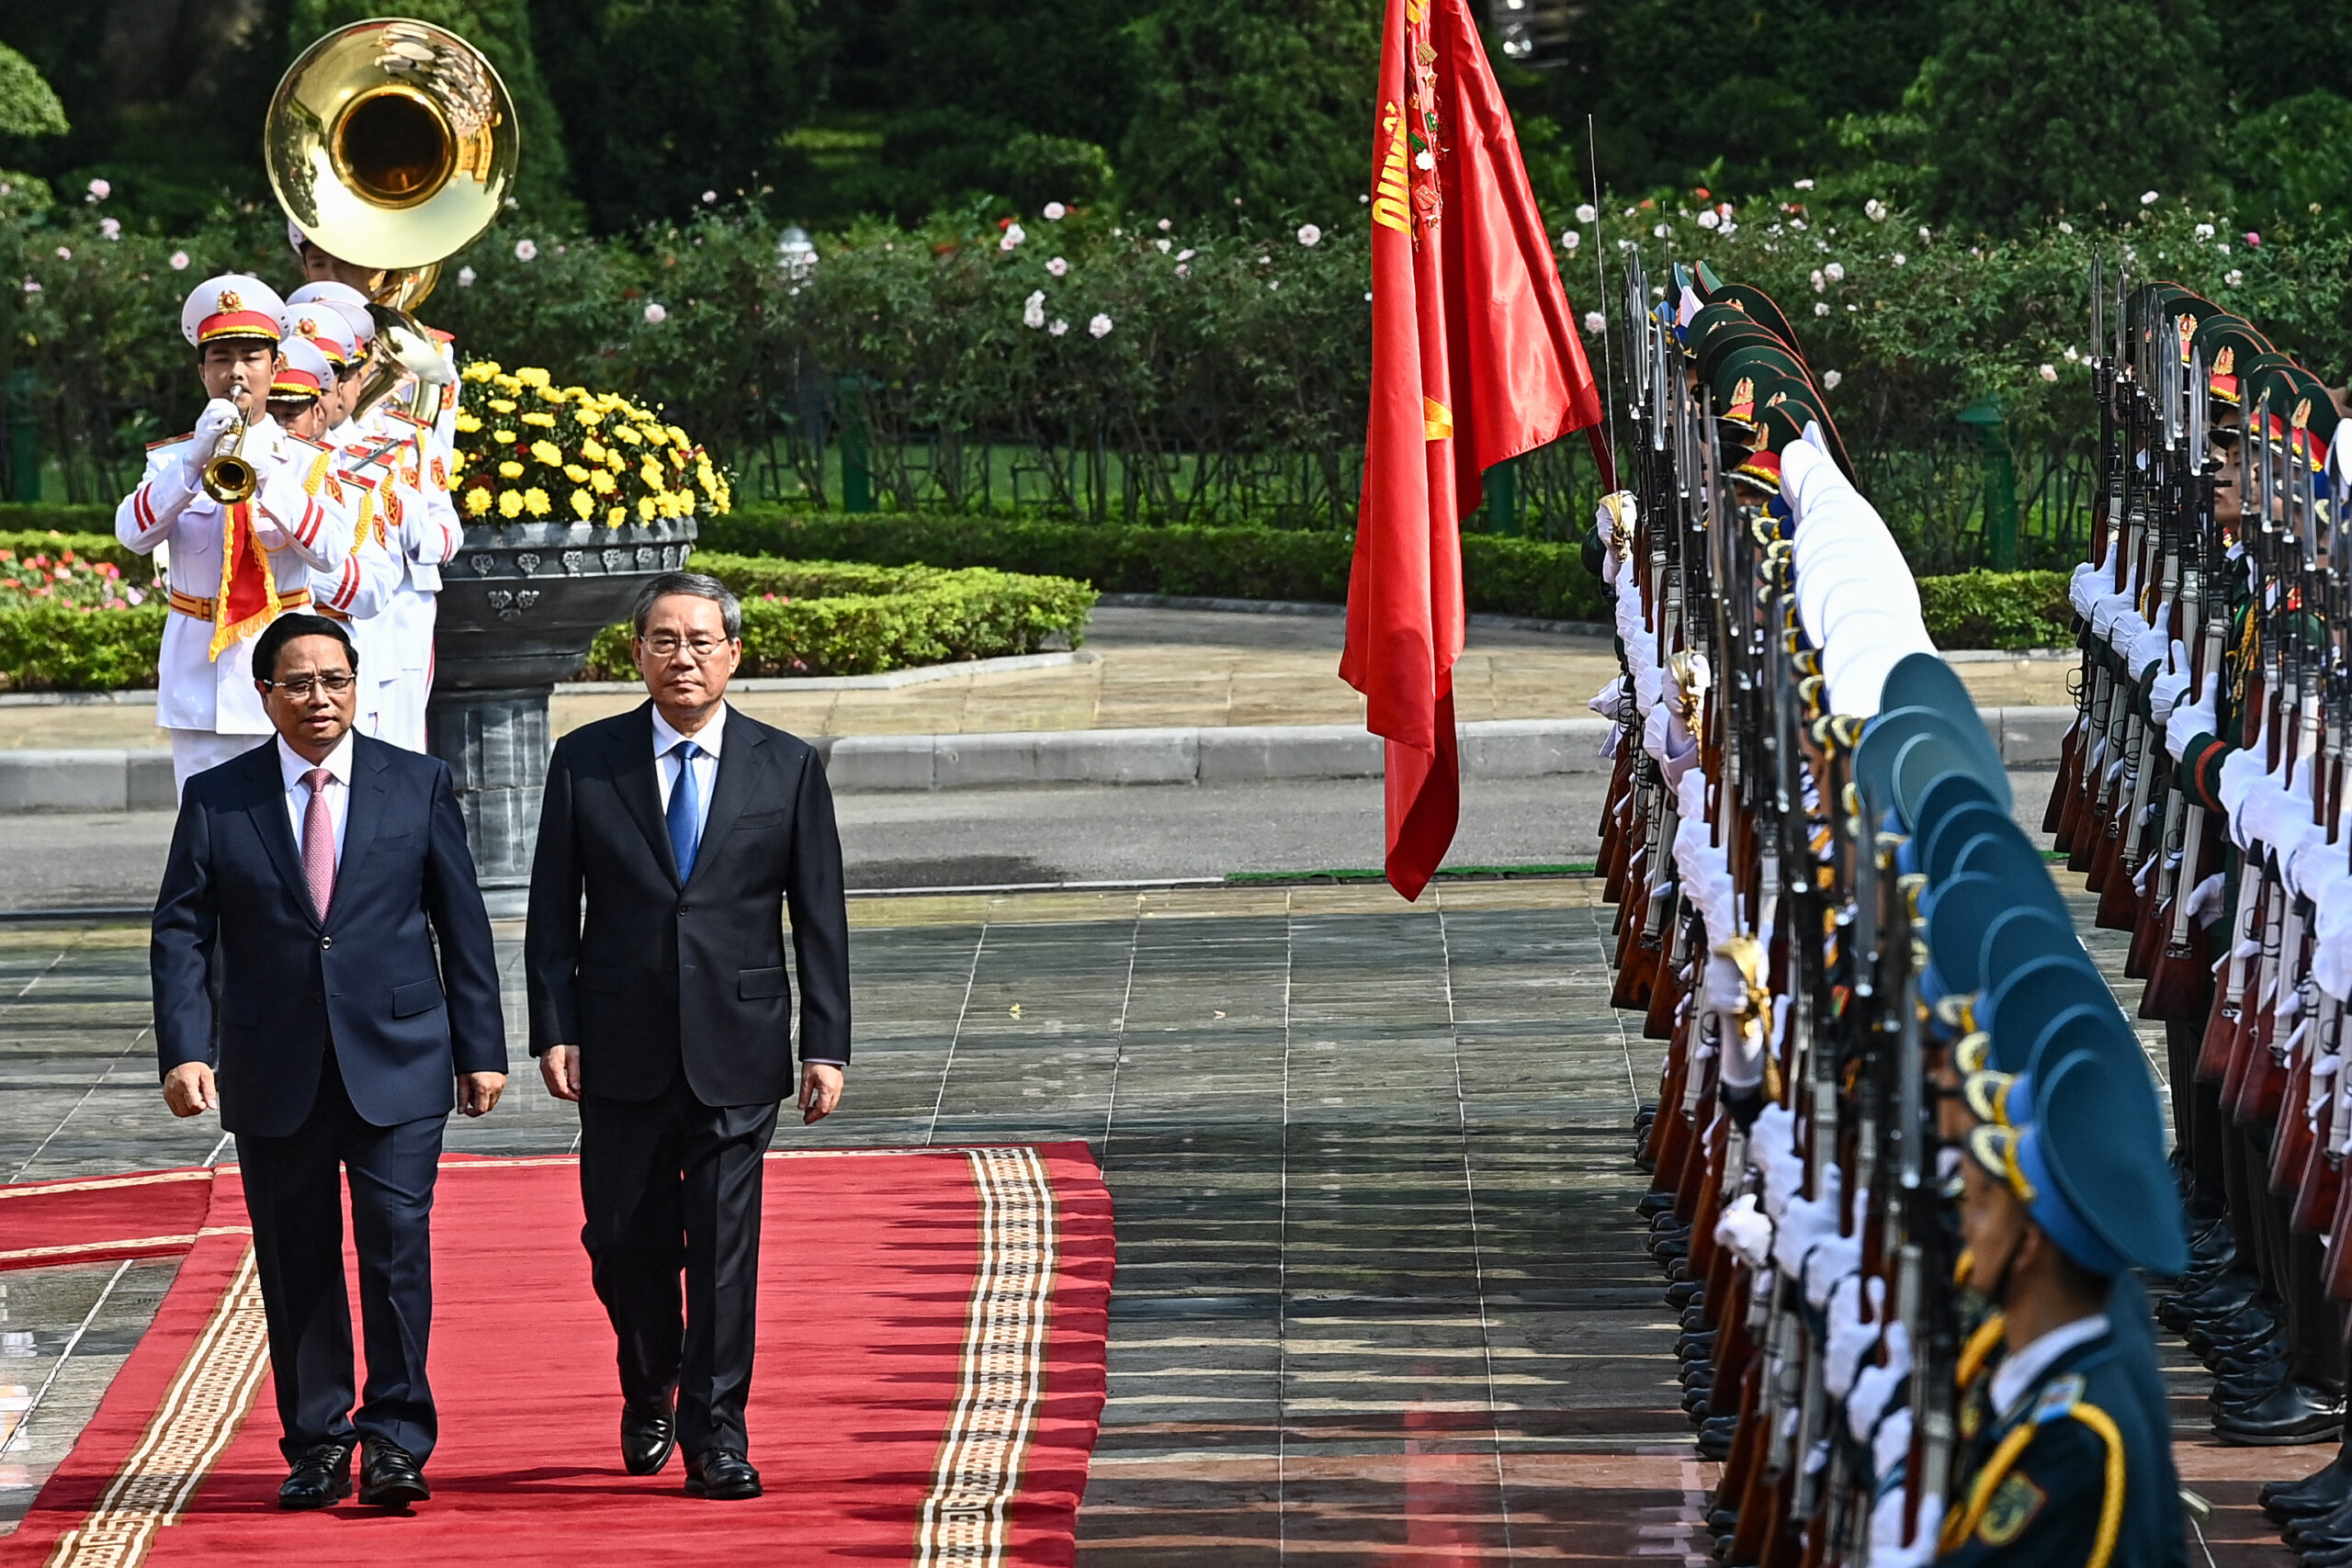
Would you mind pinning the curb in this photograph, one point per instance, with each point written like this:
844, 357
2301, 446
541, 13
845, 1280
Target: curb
1212, 755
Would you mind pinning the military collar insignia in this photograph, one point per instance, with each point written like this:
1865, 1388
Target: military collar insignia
2058, 1397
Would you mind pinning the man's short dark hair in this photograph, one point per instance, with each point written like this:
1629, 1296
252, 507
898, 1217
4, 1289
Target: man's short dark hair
692, 585
285, 629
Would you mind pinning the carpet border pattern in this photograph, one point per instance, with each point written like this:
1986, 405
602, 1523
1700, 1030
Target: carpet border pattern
199, 1413
1001, 1380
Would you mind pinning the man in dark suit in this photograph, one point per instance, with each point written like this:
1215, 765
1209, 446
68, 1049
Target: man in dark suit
312, 876
689, 828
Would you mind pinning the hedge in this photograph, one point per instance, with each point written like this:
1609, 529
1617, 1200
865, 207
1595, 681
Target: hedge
56, 648
1503, 575
831, 619
1997, 609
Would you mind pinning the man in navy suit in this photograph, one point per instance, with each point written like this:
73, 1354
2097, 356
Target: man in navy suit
310, 879
672, 843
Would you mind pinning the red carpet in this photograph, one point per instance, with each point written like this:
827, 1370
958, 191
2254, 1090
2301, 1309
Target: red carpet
930, 1380
150, 1213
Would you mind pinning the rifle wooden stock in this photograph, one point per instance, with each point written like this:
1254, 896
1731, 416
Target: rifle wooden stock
2070, 768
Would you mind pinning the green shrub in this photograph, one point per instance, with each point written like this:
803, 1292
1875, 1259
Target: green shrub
829, 619
1997, 609
1502, 576
56, 648
87, 531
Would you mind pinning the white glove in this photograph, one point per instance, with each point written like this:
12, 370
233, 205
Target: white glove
1609, 701
1806, 1223
1888, 1548
2084, 589
1742, 1044
218, 418
1836, 1258
2124, 634
2205, 900
1891, 1447
1773, 1148
1850, 1339
1743, 1229
2199, 718
1874, 1386
2164, 694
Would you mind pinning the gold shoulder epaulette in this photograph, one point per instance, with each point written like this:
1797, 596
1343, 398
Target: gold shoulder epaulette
313, 445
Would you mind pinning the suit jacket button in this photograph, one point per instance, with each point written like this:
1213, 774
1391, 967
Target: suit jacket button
326, 942
685, 908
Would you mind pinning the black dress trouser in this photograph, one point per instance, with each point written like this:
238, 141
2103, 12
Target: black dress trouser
671, 1186
294, 1194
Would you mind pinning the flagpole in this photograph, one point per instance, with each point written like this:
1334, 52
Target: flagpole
1601, 284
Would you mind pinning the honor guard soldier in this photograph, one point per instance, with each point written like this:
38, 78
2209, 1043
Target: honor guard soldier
244, 537
2072, 1469
334, 318
417, 422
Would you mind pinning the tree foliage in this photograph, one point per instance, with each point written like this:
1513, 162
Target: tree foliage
1251, 104
2041, 106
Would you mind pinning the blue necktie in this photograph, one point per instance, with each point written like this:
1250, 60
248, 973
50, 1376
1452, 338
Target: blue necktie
685, 811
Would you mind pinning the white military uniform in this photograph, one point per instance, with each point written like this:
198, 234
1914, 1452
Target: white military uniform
205, 695
418, 510
334, 317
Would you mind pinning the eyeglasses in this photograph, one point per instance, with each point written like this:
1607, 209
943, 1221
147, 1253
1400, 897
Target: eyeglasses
662, 645
332, 681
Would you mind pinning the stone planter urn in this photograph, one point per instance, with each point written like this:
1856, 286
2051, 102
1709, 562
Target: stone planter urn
518, 609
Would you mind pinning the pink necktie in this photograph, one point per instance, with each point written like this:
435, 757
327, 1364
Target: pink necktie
318, 842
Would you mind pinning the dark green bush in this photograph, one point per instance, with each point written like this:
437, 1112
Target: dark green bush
1997, 609
829, 619
1503, 576
56, 648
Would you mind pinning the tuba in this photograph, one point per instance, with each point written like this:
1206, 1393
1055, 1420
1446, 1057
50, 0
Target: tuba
391, 144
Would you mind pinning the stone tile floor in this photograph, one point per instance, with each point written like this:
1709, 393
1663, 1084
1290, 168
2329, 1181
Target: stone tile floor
1379, 1295
1380, 1288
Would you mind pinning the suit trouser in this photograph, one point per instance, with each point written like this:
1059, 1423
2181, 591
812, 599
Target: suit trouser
671, 1184
294, 1194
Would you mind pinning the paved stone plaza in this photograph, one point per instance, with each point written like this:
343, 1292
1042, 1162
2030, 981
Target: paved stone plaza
1379, 1295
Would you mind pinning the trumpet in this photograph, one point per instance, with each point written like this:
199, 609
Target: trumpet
229, 476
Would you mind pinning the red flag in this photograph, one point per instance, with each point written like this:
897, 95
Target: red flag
1475, 360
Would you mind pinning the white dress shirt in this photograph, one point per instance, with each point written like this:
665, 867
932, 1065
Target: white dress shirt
2015, 1377
293, 765
708, 742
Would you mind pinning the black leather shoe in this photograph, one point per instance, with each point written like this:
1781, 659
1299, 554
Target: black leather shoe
320, 1478
2323, 1492
1716, 1434
389, 1477
722, 1474
2319, 1533
2296, 1412
648, 1432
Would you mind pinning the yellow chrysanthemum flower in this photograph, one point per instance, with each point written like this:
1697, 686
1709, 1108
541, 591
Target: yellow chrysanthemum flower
651, 473
535, 502
502, 405
615, 462
677, 460
510, 505
590, 449
510, 470
653, 433
575, 473
645, 507
552, 394
582, 504
477, 501
548, 452
628, 434
532, 377
504, 437
617, 515
679, 436
480, 370
467, 423
601, 481
539, 417
506, 383
589, 415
